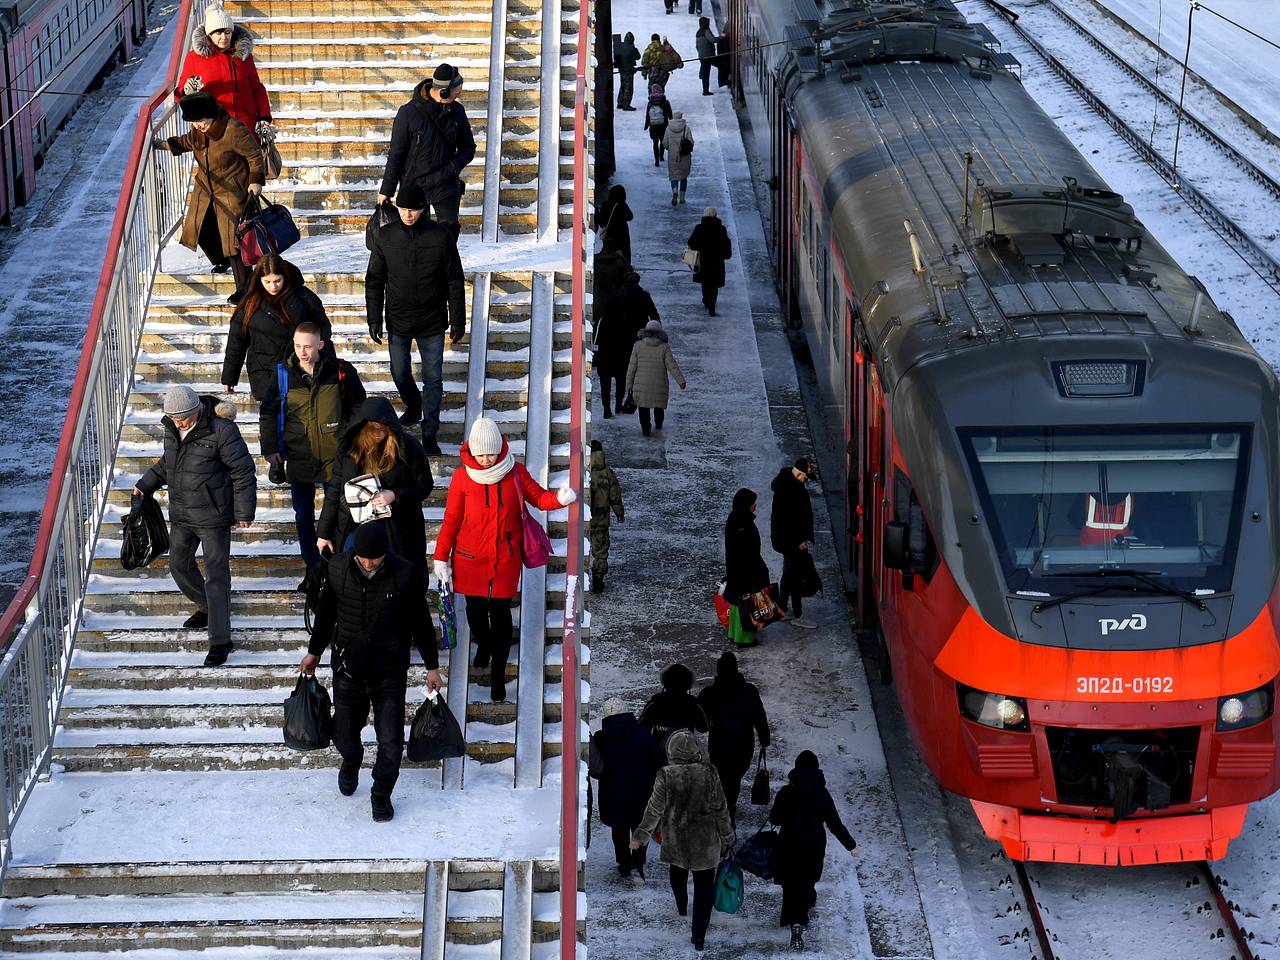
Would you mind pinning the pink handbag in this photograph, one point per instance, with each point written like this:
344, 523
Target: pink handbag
535, 545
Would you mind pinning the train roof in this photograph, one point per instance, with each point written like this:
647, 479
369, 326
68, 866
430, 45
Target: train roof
903, 110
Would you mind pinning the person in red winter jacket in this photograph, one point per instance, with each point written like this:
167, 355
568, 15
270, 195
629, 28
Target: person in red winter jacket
478, 548
220, 62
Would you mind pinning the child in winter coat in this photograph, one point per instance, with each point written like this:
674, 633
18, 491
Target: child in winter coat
673, 707
606, 495
657, 114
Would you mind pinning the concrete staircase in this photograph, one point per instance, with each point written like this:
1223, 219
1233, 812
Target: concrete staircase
140, 706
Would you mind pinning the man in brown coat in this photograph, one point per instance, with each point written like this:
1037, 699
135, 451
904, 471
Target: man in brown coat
228, 169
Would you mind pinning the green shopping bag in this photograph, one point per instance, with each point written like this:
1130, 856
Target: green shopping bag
740, 633
729, 886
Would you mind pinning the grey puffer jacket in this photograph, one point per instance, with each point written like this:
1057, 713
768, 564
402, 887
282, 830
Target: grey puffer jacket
688, 804
651, 360
210, 473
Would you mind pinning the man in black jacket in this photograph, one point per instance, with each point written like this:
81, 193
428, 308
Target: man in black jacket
373, 609
621, 318
431, 144
791, 533
415, 275
212, 487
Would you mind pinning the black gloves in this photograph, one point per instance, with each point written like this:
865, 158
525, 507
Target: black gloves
375, 330
456, 334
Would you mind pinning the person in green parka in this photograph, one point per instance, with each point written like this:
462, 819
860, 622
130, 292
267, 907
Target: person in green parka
606, 495
626, 58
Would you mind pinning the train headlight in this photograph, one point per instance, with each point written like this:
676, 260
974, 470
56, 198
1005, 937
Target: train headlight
1245, 709
993, 709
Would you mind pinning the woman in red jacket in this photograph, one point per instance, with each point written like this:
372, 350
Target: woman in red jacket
482, 536
220, 62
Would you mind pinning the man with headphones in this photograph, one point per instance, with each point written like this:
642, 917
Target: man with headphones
431, 144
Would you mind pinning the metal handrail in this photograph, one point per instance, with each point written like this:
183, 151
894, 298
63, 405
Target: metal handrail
570, 680
38, 628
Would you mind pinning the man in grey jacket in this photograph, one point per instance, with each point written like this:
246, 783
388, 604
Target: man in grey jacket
212, 487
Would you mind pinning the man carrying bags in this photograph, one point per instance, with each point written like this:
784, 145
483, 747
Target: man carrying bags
372, 611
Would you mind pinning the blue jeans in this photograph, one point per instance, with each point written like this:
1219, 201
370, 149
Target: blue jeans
431, 352
303, 496
680, 185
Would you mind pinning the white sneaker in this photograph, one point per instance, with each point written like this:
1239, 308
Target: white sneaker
803, 624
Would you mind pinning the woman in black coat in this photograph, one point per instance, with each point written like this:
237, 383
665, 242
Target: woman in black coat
745, 569
735, 714
803, 811
375, 442
612, 220
711, 240
658, 106
262, 326
673, 707
625, 759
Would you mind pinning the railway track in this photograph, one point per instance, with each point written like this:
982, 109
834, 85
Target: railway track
1259, 255
1184, 909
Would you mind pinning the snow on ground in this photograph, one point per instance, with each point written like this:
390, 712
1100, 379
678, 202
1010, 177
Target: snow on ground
45, 300
1244, 68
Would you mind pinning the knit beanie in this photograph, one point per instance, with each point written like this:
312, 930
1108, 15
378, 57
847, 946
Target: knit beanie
653, 325
613, 706
485, 438
727, 665
678, 678
371, 541
446, 77
807, 760
215, 19
180, 401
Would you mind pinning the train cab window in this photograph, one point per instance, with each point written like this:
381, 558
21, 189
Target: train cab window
907, 509
1066, 503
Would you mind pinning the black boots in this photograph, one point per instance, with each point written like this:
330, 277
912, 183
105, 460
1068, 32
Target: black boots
197, 621
797, 937
217, 656
348, 778
382, 809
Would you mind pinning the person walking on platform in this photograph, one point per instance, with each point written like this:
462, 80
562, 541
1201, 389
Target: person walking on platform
657, 115
745, 570
606, 496
626, 58
673, 707
626, 760
647, 383
301, 419
621, 318
791, 533
649, 59
711, 240
724, 56
415, 277
220, 63
380, 473
705, 40
735, 714
669, 61
212, 488
431, 144
608, 270
677, 142
803, 811
262, 326
228, 169
612, 219
687, 803
372, 611
481, 541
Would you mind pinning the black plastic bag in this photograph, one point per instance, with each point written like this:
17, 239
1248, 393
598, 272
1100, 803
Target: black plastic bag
760, 785
145, 534
308, 716
756, 855
314, 585
435, 734
805, 572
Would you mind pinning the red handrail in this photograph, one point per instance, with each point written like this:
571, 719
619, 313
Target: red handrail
573, 555
10, 621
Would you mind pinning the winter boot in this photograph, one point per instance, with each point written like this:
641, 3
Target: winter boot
348, 778
597, 584
682, 196
217, 656
675, 197
197, 621
797, 937
383, 811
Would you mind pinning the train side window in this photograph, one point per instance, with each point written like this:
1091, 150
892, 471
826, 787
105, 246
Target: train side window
36, 73
923, 551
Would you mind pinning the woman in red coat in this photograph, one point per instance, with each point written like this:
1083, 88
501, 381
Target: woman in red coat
220, 63
481, 538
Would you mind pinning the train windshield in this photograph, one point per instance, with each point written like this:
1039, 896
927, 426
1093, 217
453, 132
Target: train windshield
1070, 501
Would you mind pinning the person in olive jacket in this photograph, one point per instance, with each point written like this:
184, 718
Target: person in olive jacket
626, 58
625, 759
212, 487
415, 285
375, 443
431, 144
803, 811
320, 393
711, 240
735, 714
673, 707
262, 326
371, 612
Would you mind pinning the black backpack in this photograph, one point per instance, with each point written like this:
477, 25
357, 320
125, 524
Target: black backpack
314, 585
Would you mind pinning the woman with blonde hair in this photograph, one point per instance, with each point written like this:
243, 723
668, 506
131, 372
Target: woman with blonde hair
381, 475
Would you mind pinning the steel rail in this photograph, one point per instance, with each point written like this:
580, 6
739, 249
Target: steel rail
1228, 914
1033, 911
570, 761
1205, 207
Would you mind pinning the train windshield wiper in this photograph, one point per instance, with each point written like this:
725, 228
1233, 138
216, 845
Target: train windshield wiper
1144, 577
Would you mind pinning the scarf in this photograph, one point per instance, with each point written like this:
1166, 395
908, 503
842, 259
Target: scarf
489, 475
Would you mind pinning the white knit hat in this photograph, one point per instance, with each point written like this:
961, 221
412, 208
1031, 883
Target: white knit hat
613, 706
485, 438
215, 19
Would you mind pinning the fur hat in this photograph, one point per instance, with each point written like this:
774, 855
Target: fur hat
371, 541
653, 325
215, 19
613, 706
709, 212
198, 106
485, 438
411, 197
677, 115
181, 401
677, 677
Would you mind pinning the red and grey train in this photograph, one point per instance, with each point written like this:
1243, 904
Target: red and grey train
1061, 458
53, 51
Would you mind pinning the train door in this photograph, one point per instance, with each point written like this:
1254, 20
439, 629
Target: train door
873, 439
858, 471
